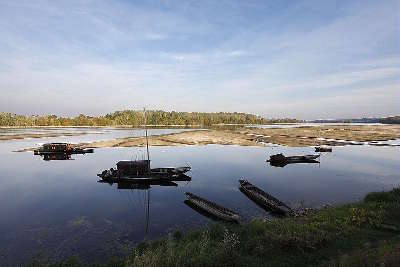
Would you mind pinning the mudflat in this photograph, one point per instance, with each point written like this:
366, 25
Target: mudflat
296, 137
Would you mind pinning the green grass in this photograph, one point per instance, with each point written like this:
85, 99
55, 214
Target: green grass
365, 233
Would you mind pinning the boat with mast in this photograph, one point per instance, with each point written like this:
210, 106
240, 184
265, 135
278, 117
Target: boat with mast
140, 169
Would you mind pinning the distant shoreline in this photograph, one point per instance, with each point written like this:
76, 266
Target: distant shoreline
197, 125
112, 127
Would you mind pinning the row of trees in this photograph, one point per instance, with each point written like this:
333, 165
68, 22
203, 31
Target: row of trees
391, 120
136, 118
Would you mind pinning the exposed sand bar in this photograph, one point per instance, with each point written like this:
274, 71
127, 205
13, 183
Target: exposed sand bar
295, 137
336, 135
301, 136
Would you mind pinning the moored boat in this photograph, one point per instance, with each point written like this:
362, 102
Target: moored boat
140, 169
62, 148
281, 160
212, 208
130, 170
323, 149
263, 199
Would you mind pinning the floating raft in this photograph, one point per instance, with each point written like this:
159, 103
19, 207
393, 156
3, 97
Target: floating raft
263, 199
211, 208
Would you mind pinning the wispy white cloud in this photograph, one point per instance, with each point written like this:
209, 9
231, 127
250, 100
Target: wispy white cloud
198, 56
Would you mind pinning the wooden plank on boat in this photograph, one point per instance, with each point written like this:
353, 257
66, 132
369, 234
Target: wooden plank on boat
212, 208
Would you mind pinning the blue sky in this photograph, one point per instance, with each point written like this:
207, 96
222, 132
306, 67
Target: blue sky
302, 59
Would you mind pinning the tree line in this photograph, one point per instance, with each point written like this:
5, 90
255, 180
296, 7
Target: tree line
136, 118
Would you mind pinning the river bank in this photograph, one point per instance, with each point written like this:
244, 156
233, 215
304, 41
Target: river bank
366, 233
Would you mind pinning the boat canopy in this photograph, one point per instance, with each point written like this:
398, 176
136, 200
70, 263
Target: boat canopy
126, 167
57, 147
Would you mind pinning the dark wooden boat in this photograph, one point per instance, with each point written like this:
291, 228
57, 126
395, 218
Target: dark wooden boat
323, 149
263, 199
280, 160
280, 157
144, 179
212, 208
140, 169
61, 148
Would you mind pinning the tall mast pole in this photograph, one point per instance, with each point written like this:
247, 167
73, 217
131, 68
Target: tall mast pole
148, 212
147, 141
149, 171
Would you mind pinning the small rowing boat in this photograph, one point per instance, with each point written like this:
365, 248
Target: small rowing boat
263, 199
212, 208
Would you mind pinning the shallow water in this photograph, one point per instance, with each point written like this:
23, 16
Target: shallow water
55, 209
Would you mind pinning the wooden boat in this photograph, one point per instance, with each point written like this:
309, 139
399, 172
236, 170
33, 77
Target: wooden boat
61, 148
263, 199
323, 149
212, 208
140, 169
280, 160
143, 179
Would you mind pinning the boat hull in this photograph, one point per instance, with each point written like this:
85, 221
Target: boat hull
263, 199
211, 208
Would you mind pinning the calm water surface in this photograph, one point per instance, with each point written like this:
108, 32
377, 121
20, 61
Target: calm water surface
55, 209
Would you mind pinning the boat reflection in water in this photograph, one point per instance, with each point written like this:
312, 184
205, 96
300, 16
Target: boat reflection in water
56, 156
145, 184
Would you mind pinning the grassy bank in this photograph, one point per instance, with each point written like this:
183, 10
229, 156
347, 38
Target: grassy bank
359, 234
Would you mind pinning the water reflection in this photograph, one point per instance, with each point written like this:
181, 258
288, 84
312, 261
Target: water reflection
56, 156
145, 184
282, 164
59, 209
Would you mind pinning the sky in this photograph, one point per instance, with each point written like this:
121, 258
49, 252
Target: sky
297, 59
